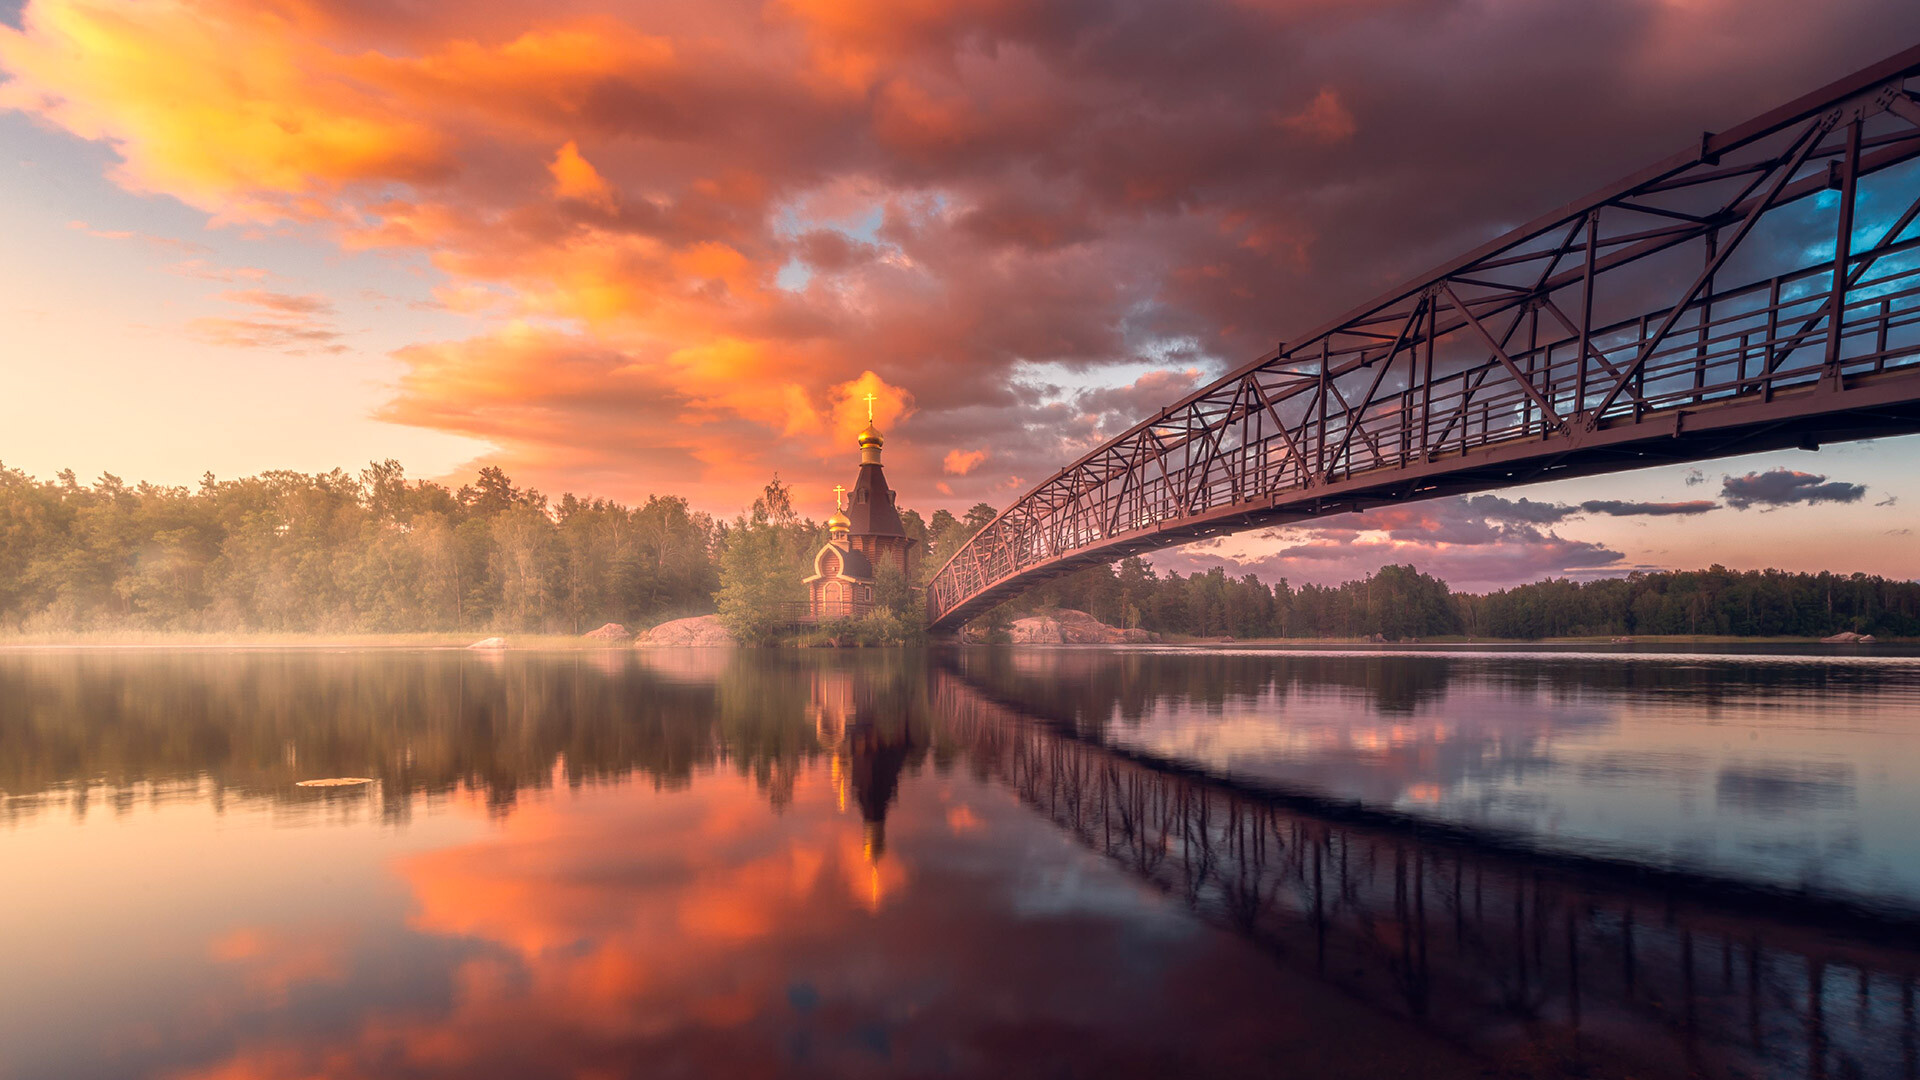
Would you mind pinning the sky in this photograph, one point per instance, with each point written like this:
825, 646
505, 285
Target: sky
624, 249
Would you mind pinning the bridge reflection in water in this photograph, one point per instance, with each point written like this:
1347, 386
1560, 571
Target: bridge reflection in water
1482, 942
1542, 963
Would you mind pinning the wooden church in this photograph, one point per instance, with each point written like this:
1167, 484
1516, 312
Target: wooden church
864, 537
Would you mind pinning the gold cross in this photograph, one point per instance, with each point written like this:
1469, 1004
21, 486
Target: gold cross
870, 400
838, 491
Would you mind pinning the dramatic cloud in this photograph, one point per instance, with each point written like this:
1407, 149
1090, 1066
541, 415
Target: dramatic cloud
1496, 508
1784, 487
1478, 542
1615, 508
682, 231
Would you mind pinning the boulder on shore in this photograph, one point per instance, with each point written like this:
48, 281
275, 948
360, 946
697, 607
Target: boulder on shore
1069, 627
701, 631
489, 643
613, 631
1848, 637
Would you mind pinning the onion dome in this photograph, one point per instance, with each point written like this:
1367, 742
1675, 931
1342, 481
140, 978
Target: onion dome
870, 443
838, 523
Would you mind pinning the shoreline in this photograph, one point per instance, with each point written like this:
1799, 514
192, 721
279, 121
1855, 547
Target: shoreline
571, 643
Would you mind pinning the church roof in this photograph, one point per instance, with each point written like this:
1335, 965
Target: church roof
871, 508
853, 564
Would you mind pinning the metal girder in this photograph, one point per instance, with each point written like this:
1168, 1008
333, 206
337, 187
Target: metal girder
1618, 367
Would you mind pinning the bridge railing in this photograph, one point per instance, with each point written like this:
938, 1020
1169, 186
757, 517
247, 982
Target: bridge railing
1725, 276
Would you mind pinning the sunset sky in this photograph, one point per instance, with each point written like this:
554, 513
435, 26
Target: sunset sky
667, 247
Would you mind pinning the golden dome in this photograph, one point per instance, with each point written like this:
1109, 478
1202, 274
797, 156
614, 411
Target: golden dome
870, 436
839, 522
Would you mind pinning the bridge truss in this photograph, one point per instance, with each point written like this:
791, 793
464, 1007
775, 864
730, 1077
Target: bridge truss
1759, 290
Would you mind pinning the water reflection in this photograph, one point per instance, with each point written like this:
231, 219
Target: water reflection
1479, 940
747, 863
1793, 772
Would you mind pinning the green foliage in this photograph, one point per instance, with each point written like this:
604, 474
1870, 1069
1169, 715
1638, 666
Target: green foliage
1396, 603
1753, 603
765, 555
875, 628
1399, 603
332, 552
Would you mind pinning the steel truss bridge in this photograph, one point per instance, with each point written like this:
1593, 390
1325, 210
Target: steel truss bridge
1754, 292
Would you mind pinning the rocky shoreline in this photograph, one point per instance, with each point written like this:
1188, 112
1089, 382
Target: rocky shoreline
1063, 627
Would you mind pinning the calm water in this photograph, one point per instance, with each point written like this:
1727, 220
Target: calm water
977, 863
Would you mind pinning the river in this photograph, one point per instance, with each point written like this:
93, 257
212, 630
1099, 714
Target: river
968, 862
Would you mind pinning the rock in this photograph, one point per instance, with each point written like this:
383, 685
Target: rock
699, 632
1068, 627
613, 631
489, 643
1848, 637
1137, 636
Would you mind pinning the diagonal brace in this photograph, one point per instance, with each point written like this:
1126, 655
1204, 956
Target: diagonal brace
1500, 354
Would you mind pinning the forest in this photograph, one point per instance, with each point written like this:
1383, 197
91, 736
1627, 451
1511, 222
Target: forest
339, 553
375, 552
1398, 603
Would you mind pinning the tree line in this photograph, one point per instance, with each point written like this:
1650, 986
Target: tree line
1398, 603
336, 553
375, 552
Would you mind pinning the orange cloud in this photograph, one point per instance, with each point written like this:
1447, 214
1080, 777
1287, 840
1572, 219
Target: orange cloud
574, 177
777, 202
230, 107
962, 462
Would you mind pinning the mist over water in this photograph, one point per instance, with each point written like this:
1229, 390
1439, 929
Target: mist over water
1028, 862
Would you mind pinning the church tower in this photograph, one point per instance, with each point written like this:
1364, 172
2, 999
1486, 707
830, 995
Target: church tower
875, 527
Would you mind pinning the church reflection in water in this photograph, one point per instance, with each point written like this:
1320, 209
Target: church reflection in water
1476, 938
872, 731
755, 866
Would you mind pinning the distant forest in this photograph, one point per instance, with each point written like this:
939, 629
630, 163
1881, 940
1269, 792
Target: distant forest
1398, 603
375, 552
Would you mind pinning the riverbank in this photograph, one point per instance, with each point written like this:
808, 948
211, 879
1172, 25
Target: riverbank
1462, 640
463, 639
147, 639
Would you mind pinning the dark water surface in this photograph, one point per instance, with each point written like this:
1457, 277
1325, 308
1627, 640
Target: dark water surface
991, 862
